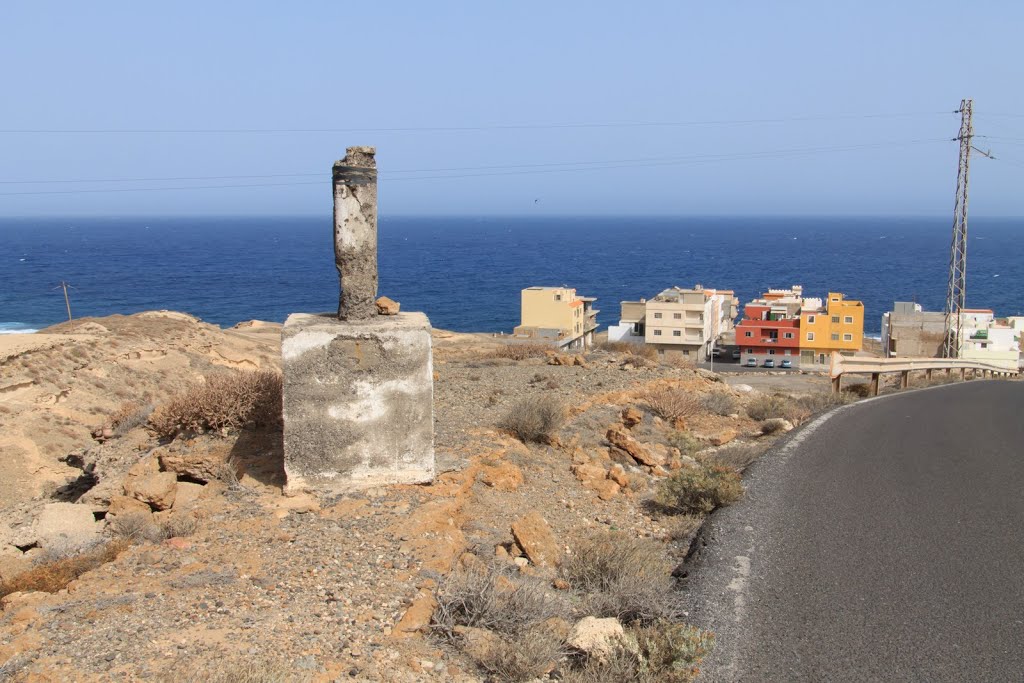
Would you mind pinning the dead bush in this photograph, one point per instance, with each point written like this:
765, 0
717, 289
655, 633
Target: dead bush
493, 599
622, 577
686, 442
522, 351
142, 527
226, 401
719, 403
129, 416
631, 349
816, 403
526, 657
535, 420
767, 407
857, 390
221, 670
672, 403
736, 455
684, 526
773, 425
664, 652
50, 577
699, 490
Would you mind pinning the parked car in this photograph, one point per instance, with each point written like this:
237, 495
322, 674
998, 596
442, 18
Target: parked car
769, 363
736, 354
786, 364
716, 353
751, 363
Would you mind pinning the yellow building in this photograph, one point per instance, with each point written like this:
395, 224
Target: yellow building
836, 325
557, 315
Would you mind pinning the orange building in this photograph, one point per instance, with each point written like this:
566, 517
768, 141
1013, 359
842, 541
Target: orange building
835, 325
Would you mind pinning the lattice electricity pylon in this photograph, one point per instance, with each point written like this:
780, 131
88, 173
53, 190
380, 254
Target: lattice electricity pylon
956, 293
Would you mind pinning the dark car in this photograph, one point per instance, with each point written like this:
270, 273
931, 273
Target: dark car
736, 354
769, 363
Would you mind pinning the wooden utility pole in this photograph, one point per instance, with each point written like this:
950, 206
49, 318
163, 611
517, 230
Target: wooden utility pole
67, 301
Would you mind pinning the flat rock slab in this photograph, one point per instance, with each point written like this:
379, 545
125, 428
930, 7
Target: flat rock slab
358, 402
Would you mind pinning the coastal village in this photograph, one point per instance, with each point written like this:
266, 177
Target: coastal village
781, 328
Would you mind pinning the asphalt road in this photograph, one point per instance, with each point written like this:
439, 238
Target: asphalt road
882, 542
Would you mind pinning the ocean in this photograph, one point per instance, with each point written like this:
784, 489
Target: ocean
466, 273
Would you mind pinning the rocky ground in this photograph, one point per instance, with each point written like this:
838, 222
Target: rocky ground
329, 589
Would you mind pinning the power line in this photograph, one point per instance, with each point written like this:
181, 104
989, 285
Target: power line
493, 170
507, 169
456, 129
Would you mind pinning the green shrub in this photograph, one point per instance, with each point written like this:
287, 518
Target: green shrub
699, 490
535, 419
686, 442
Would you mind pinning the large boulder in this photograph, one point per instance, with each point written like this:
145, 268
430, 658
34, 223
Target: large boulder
597, 637
156, 489
534, 536
65, 524
620, 439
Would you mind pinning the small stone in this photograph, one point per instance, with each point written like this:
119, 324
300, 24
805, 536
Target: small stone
534, 536
386, 306
156, 489
631, 417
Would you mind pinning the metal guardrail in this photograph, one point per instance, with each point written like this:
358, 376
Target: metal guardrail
852, 365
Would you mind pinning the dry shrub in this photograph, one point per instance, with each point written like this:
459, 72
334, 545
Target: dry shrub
684, 526
631, 349
226, 401
220, 670
522, 351
622, 577
699, 490
857, 390
535, 419
773, 425
142, 527
736, 455
815, 403
768, 407
686, 442
660, 653
719, 403
52, 576
129, 416
525, 657
493, 599
672, 403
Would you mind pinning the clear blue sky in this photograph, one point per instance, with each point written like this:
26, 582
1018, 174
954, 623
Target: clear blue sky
332, 64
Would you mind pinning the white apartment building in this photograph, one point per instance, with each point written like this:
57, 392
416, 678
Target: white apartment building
678, 321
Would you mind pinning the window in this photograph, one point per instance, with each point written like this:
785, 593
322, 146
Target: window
810, 320
748, 333
558, 297
661, 352
677, 316
771, 352
686, 352
835, 319
835, 337
810, 336
657, 333
657, 315
847, 337
677, 333
788, 335
848, 320
750, 350
786, 352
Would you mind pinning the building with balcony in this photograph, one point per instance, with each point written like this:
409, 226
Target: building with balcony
770, 328
556, 315
987, 339
910, 332
835, 325
677, 321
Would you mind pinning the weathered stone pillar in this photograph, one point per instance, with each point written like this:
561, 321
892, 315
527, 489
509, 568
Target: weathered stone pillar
358, 386
355, 232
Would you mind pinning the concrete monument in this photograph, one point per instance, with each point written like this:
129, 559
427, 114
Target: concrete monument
358, 386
